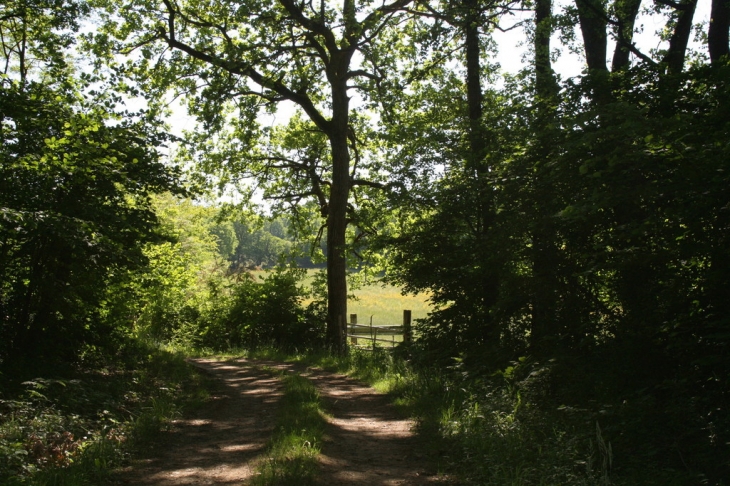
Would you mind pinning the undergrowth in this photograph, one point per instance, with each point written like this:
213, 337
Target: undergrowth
76, 428
296, 442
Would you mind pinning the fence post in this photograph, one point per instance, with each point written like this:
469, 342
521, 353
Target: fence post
342, 343
373, 337
353, 321
407, 335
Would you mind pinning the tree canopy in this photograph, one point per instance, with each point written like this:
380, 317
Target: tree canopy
75, 180
233, 60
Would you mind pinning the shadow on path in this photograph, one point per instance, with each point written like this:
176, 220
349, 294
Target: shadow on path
367, 442
219, 444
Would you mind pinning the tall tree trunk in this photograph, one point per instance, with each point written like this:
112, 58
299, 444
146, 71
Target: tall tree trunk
593, 21
475, 100
336, 245
677, 51
543, 259
478, 169
718, 35
474, 95
626, 12
545, 84
337, 208
592, 18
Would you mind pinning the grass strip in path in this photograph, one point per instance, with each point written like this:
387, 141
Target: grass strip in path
297, 438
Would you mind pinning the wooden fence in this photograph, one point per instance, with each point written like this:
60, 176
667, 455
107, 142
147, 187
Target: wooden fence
378, 334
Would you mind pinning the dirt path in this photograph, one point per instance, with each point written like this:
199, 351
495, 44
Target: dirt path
366, 443
220, 443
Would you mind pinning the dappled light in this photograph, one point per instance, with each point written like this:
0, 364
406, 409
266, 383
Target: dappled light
220, 444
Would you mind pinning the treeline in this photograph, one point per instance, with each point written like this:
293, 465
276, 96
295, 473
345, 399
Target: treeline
196, 293
265, 243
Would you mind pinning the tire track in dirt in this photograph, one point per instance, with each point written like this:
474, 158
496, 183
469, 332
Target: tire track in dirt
366, 442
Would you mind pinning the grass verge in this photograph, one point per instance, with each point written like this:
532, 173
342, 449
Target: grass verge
296, 442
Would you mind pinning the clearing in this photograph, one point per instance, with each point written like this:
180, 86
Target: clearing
366, 441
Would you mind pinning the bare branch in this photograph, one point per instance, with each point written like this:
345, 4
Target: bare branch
312, 25
141, 43
363, 73
293, 195
674, 5
363, 182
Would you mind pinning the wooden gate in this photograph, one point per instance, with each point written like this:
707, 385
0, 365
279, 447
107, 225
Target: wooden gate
379, 334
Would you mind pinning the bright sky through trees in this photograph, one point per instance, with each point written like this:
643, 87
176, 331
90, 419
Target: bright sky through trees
511, 57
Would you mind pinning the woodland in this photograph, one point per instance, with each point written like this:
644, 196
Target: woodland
572, 232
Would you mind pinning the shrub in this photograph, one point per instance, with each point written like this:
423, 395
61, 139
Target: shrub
263, 312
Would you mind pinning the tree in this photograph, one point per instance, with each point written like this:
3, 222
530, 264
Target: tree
610, 208
36, 36
257, 247
75, 178
254, 54
446, 136
74, 199
718, 34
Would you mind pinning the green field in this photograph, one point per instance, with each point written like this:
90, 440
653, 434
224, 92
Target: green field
383, 302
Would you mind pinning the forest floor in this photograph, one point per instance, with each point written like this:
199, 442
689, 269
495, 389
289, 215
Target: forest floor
366, 442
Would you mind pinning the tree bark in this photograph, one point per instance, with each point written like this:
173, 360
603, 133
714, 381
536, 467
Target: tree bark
592, 18
542, 231
478, 168
626, 12
545, 84
718, 34
475, 102
336, 245
593, 21
474, 95
339, 194
677, 51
